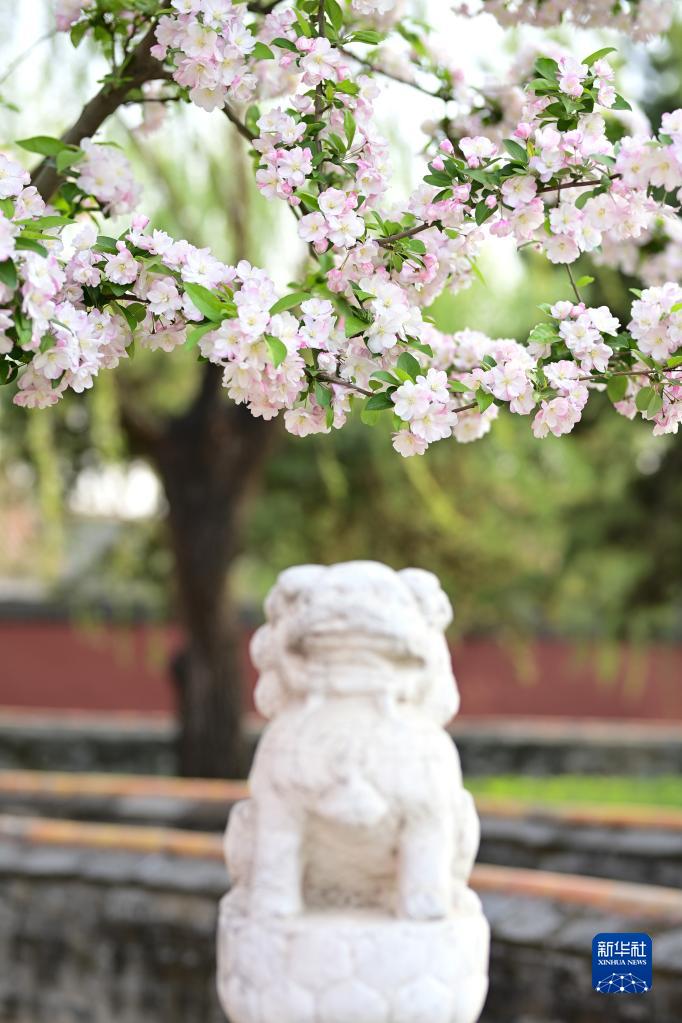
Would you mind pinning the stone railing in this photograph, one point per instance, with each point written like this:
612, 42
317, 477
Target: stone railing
145, 744
635, 843
111, 923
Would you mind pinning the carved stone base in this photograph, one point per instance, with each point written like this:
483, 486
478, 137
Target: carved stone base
351, 966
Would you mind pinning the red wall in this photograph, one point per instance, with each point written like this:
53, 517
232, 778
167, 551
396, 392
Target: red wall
57, 665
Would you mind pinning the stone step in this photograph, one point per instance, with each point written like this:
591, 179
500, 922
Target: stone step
123, 918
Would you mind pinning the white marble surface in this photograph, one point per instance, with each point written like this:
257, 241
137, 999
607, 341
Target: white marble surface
349, 864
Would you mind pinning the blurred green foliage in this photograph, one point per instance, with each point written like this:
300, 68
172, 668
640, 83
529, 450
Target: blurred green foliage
581, 790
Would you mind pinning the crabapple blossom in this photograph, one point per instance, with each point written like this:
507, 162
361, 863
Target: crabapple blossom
551, 164
13, 177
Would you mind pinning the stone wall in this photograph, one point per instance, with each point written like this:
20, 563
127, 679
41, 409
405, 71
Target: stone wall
629, 845
116, 925
146, 745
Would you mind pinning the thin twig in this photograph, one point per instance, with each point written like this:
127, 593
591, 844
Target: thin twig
409, 232
338, 382
572, 280
13, 65
575, 184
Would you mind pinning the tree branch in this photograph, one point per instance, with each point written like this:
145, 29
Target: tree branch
239, 125
141, 68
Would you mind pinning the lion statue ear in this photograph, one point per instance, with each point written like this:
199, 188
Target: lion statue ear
440, 696
271, 695
290, 586
432, 599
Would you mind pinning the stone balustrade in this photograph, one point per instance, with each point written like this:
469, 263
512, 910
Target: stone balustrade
626, 843
145, 744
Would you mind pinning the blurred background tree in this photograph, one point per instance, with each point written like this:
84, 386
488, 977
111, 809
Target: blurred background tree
577, 536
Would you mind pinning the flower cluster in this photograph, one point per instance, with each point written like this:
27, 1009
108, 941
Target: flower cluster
208, 45
105, 173
640, 18
562, 180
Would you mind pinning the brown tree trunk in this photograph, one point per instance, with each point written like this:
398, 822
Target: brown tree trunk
209, 459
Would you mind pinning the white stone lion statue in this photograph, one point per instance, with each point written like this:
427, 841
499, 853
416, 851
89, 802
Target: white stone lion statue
357, 798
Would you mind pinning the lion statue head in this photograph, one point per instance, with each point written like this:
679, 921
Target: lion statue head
356, 629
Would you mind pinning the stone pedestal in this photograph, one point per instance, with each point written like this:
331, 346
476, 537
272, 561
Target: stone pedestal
353, 967
349, 864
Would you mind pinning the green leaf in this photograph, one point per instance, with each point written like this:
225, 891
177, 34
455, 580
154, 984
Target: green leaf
7, 207
322, 394
408, 364
676, 308
483, 400
426, 349
288, 302
42, 223
547, 68
517, 151
105, 244
414, 245
457, 385
137, 310
482, 212
383, 374
354, 326
620, 103
195, 334
674, 362
582, 282
251, 118
44, 145
437, 178
349, 127
308, 200
584, 197
205, 301
278, 350
31, 245
78, 31
67, 158
616, 388
8, 371
8, 274
543, 333
649, 401
285, 44
334, 13
597, 55
378, 402
337, 143
262, 52
349, 88
367, 35
134, 313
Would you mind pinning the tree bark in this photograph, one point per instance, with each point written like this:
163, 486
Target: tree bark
209, 459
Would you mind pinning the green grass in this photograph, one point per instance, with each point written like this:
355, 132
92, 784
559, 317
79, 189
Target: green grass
568, 789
